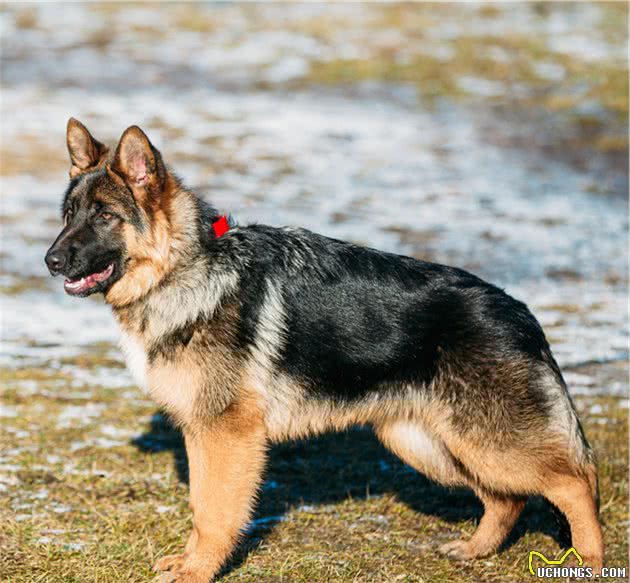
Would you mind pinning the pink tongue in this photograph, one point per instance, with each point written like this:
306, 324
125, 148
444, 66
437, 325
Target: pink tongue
79, 286
90, 280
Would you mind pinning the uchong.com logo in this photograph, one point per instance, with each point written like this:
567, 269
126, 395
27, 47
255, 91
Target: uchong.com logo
551, 568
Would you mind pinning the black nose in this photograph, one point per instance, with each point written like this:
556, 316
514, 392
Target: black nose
55, 260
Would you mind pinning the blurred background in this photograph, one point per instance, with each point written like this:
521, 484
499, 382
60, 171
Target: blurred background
489, 136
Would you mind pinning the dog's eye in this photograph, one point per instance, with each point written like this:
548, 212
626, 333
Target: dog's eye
67, 218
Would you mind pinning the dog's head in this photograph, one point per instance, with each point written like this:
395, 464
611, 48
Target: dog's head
111, 241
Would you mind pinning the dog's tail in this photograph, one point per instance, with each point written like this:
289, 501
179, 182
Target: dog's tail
585, 458
581, 454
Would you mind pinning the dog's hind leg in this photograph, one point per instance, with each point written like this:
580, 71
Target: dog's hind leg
575, 497
416, 445
546, 467
500, 515
572, 484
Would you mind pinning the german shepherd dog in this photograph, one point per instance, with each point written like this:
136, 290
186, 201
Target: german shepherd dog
248, 335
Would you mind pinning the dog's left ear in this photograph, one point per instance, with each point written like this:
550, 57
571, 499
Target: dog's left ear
139, 164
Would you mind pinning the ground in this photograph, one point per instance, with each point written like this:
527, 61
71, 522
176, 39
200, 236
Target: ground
492, 137
98, 492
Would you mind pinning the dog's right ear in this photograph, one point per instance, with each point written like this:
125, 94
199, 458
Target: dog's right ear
86, 152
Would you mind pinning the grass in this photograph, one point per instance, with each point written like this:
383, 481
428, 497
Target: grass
99, 495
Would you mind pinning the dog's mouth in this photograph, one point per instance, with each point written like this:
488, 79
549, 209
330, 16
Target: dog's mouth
82, 285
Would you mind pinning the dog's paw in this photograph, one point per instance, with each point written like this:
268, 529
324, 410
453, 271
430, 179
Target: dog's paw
168, 563
459, 549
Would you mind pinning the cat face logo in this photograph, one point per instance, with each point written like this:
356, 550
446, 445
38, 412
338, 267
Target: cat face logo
559, 561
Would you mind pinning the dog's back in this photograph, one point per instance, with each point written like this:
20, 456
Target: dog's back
350, 326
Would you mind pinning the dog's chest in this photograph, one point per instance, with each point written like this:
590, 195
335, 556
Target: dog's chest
136, 357
172, 384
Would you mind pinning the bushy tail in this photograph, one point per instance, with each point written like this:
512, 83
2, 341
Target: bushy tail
585, 459
593, 480
581, 451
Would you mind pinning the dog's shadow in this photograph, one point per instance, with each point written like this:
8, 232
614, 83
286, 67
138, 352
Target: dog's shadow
335, 466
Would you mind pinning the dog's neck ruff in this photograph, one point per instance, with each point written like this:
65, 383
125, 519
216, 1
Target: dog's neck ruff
220, 226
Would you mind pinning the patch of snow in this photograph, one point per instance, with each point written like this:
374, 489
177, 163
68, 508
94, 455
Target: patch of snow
483, 87
40, 494
112, 431
79, 415
8, 411
549, 70
287, 69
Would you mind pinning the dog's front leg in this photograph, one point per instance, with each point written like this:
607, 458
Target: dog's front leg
226, 460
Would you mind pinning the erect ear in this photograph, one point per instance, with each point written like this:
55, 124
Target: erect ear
85, 151
139, 164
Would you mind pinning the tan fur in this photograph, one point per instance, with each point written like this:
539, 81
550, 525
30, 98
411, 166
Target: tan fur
226, 461
291, 414
500, 515
176, 385
517, 468
196, 385
574, 498
152, 256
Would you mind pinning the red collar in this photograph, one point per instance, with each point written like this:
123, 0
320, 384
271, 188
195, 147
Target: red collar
220, 226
